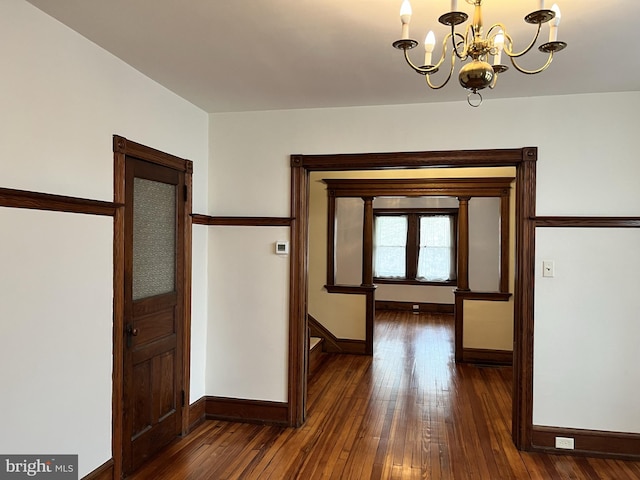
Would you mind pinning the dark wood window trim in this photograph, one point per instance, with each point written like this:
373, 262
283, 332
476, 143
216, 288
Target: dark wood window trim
523, 159
463, 188
56, 203
412, 243
408, 281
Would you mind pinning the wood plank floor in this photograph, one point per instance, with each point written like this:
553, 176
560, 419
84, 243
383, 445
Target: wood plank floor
408, 412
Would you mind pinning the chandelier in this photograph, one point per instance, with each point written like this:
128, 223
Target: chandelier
473, 44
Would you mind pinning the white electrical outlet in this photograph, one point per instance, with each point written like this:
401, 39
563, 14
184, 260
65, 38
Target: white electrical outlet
547, 268
566, 443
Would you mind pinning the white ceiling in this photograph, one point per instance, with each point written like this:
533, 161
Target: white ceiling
241, 55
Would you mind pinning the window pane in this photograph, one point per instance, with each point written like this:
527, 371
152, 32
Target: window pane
390, 247
435, 257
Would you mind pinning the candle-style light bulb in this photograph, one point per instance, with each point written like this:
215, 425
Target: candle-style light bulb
429, 45
553, 25
498, 42
405, 18
541, 5
454, 5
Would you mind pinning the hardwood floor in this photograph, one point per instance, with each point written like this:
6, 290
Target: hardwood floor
407, 413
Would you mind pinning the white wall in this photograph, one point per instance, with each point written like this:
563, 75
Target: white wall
592, 146
63, 99
246, 351
587, 331
55, 321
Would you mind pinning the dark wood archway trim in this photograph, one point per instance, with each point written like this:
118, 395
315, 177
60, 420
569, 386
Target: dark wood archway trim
524, 159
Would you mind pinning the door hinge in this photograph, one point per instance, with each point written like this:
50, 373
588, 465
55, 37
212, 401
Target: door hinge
184, 398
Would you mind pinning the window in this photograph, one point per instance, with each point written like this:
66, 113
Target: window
415, 246
391, 246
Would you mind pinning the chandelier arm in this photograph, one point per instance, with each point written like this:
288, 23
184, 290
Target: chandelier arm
508, 45
420, 70
444, 53
499, 26
434, 68
438, 87
465, 54
533, 72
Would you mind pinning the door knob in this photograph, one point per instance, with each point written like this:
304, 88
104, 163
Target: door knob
131, 332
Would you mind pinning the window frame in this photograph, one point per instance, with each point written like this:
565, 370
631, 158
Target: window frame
413, 243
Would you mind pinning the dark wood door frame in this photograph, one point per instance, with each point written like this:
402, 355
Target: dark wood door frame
523, 159
123, 148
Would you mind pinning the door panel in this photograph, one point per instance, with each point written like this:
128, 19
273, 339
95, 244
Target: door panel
154, 222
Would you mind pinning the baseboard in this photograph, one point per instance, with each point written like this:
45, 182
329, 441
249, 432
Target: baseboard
247, 411
332, 344
593, 443
356, 347
409, 307
197, 414
316, 356
103, 472
487, 357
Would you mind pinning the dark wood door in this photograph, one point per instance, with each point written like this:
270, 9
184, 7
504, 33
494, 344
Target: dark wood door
154, 324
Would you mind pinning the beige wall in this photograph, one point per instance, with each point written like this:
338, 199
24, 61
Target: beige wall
489, 325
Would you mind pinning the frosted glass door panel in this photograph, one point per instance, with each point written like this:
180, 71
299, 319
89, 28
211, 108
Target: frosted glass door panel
154, 238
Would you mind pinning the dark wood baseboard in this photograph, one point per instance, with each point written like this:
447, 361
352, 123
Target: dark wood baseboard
592, 443
409, 307
354, 347
103, 472
316, 355
332, 344
487, 357
247, 411
197, 414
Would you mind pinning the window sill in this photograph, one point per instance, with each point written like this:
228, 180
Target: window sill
402, 281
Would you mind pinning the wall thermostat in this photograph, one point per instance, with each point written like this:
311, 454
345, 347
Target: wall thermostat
282, 248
